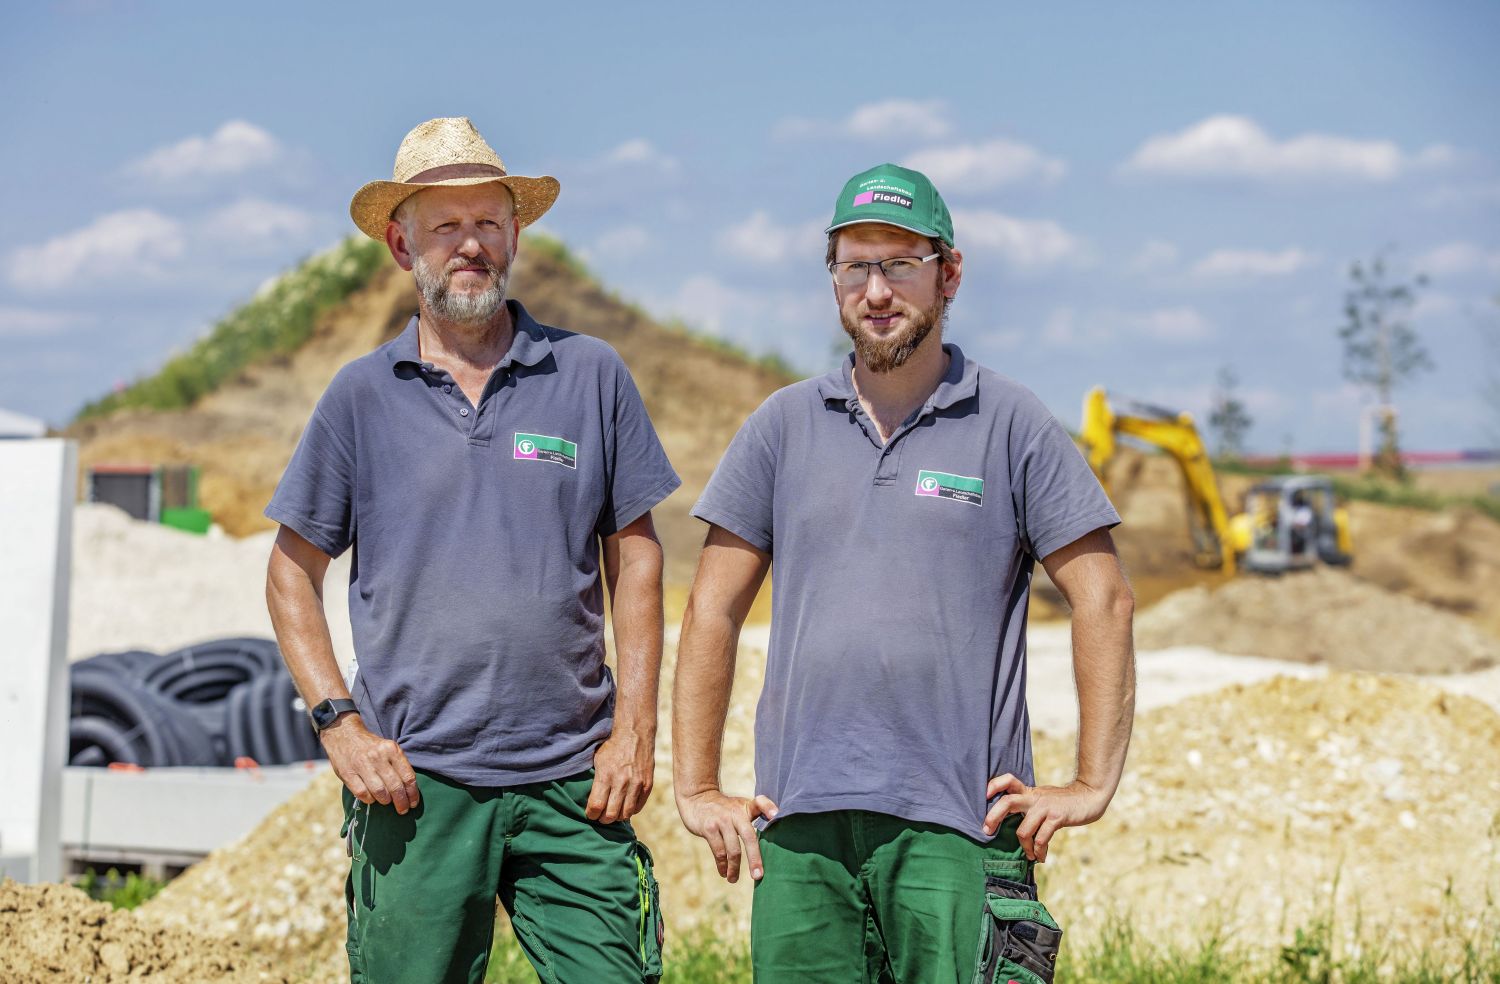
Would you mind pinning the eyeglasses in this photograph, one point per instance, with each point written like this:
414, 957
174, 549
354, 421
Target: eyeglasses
895, 269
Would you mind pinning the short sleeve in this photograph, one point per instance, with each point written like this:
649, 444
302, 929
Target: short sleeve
315, 496
740, 496
1057, 498
640, 476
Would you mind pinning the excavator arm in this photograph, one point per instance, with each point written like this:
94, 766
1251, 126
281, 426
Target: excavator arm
1176, 434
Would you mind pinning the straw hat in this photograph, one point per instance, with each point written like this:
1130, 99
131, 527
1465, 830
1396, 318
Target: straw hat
445, 152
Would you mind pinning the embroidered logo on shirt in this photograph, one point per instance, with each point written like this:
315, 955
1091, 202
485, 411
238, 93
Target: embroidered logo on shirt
959, 488
540, 447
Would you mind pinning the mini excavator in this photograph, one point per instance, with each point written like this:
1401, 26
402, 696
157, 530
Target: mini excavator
1290, 522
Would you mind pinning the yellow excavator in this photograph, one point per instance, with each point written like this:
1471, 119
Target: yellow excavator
1290, 521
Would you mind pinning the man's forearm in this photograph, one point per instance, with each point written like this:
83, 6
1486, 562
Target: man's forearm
636, 608
700, 698
1104, 671
296, 607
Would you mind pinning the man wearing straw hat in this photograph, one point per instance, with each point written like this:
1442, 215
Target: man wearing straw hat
486, 469
903, 499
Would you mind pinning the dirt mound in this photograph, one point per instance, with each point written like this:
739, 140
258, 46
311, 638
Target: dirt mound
1260, 809
243, 434
51, 933
1450, 559
1319, 616
280, 889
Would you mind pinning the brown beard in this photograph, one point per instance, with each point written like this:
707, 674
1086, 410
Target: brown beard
885, 354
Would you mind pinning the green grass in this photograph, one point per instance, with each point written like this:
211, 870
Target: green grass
700, 958
274, 322
1122, 956
121, 891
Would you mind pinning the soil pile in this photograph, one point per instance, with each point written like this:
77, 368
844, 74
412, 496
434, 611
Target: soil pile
52, 933
243, 434
1450, 559
1319, 616
280, 889
1260, 809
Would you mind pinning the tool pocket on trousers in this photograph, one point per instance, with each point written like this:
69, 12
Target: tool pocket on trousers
653, 930
1018, 938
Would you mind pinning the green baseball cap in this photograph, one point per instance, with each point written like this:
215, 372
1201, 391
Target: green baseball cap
896, 196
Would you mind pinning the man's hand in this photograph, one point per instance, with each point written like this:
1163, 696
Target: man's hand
374, 768
1046, 808
725, 822
624, 766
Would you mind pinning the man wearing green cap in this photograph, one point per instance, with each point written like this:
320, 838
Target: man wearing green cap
904, 498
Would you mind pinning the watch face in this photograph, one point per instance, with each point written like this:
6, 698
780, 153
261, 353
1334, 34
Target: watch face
323, 714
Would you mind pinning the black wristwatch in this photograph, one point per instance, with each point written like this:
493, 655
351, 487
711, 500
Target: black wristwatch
324, 713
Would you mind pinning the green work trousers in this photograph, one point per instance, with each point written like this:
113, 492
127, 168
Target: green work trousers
855, 897
422, 887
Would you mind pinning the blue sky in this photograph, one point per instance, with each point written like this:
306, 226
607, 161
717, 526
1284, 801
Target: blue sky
1144, 192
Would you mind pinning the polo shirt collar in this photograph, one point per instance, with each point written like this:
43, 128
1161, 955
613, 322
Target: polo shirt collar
528, 348
959, 383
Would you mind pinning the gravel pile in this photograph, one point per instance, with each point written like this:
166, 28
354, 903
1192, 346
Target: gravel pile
1260, 809
1319, 616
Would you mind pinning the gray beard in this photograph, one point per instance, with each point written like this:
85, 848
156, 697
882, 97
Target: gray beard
464, 309
887, 354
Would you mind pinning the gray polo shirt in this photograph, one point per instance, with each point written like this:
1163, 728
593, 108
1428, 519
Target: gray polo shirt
475, 594
896, 679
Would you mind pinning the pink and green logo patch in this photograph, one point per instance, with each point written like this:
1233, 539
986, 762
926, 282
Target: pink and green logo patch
959, 488
540, 447
884, 191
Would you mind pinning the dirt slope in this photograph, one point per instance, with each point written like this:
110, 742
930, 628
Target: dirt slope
1319, 616
243, 434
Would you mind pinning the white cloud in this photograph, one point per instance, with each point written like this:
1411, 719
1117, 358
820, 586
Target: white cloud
641, 152
17, 322
1177, 324
1243, 264
622, 242
1154, 256
1459, 260
1237, 147
137, 243
252, 221
235, 147
1026, 245
801, 325
979, 167
1483, 193
761, 239
890, 118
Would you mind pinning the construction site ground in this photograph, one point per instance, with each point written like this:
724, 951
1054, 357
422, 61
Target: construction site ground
1319, 746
